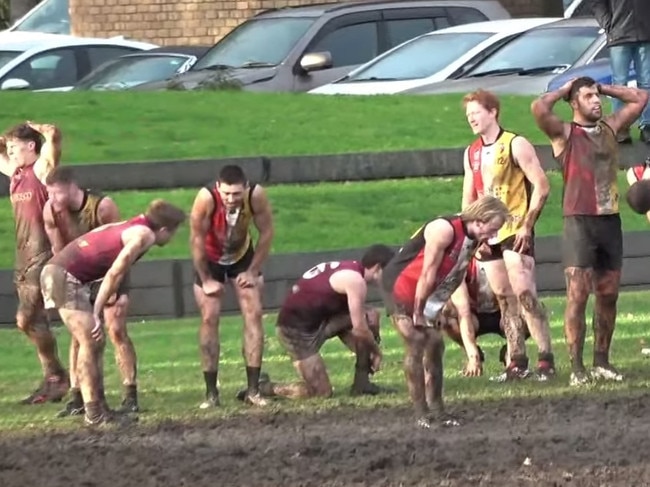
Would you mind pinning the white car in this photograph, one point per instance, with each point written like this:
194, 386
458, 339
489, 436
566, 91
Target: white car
429, 58
54, 61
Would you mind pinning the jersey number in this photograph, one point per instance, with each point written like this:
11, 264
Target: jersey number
320, 268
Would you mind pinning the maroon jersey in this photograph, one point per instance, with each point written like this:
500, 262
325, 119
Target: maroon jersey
89, 257
400, 277
313, 300
590, 166
28, 196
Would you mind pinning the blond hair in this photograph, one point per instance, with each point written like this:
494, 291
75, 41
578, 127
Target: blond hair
485, 209
162, 214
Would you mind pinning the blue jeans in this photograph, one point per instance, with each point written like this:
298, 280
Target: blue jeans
620, 58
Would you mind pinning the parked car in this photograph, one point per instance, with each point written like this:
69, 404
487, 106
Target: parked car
300, 48
48, 16
57, 61
527, 63
141, 67
599, 70
429, 58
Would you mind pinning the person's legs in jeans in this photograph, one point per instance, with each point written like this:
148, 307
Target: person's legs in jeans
620, 58
642, 68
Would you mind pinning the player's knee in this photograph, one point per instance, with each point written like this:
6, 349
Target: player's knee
117, 333
28, 321
321, 389
607, 299
508, 304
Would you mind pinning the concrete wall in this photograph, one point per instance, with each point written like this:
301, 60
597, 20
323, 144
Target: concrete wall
296, 169
203, 22
163, 289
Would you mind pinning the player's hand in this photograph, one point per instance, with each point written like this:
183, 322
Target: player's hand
474, 368
98, 330
375, 361
246, 279
484, 250
419, 320
212, 287
523, 241
565, 89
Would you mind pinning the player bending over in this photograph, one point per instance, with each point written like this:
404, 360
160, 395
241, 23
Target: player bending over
417, 283
106, 253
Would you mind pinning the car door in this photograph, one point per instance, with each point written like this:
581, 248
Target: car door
401, 24
94, 56
351, 40
52, 68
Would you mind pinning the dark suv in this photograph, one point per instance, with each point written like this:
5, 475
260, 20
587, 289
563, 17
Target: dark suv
301, 48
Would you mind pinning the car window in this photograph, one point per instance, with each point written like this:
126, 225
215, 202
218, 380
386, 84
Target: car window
51, 69
422, 57
401, 30
540, 48
131, 71
350, 44
257, 41
6, 56
466, 15
98, 55
441, 22
50, 16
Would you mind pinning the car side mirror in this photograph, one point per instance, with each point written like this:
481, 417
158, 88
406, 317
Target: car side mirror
14, 84
315, 61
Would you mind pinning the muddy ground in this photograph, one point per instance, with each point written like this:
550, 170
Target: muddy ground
570, 441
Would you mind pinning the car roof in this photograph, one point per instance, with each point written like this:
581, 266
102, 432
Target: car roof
498, 26
49, 41
318, 9
574, 22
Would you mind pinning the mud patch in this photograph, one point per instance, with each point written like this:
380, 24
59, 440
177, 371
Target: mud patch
569, 441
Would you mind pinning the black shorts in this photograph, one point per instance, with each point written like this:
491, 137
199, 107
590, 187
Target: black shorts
594, 242
489, 323
302, 338
221, 272
496, 250
122, 290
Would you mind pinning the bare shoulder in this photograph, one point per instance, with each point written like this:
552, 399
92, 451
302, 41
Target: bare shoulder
259, 198
345, 281
203, 203
47, 211
138, 236
440, 230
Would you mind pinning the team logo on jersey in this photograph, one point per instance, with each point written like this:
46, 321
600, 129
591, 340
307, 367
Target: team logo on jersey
501, 158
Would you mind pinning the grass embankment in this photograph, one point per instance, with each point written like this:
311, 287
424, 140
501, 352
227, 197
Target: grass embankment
119, 127
171, 385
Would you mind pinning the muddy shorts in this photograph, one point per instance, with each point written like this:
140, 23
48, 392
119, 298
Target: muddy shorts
61, 290
303, 338
594, 242
28, 289
222, 272
496, 250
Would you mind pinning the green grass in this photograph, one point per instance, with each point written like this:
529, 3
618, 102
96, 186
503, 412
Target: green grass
117, 127
336, 215
171, 385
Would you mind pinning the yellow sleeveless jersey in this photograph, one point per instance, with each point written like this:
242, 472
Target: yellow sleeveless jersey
73, 224
497, 174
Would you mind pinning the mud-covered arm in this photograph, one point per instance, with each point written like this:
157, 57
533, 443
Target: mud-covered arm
6, 167
526, 158
354, 286
199, 227
634, 100
438, 235
469, 190
547, 120
263, 220
107, 211
50, 156
53, 234
460, 300
139, 241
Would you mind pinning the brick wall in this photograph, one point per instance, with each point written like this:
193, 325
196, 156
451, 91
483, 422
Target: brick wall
202, 22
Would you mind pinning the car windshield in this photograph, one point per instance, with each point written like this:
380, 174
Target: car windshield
256, 42
131, 71
50, 16
6, 56
535, 49
422, 57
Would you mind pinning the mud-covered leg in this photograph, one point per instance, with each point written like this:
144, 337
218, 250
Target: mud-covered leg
606, 288
210, 308
578, 286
